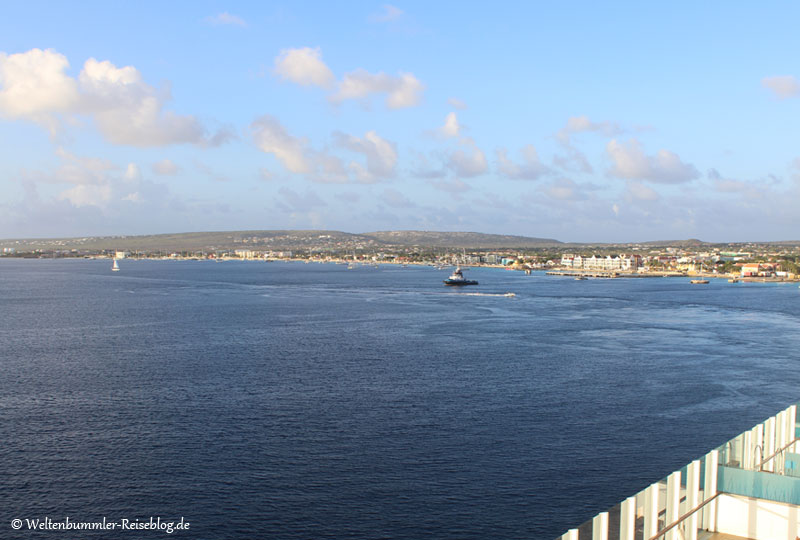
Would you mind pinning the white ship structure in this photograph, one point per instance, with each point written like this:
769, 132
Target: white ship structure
747, 489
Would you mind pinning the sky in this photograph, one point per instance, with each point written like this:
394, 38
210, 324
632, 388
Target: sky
579, 121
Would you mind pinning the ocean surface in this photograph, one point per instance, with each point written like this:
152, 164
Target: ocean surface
309, 401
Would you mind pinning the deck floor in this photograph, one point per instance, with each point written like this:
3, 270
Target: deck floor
719, 536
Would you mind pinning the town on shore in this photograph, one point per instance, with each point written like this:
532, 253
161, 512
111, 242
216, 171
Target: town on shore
734, 261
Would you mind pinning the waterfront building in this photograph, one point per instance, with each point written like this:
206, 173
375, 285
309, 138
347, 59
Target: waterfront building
625, 263
748, 488
757, 269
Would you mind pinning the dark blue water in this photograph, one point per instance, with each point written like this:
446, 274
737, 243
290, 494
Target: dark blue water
308, 401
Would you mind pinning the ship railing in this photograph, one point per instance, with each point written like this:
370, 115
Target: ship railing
684, 503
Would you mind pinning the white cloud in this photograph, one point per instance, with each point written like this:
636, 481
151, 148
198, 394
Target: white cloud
87, 195
451, 127
454, 187
530, 169
133, 172
225, 18
126, 110
389, 13
35, 86
784, 86
129, 111
381, 154
272, 138
165, 167
630, 162
640, 192
79, 170
297, 155
581, 124
304, 67
402, 91
469, 162
457, 103
94, 181
564, 189
330, 170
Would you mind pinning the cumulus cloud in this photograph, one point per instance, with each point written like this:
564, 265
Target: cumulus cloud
402, 91
272, 138
381, 155
125, 109
730, 185
580, 124
783, 86
225, 18
35, 86
304, 66
79, 170
93, 181
530, 169
469, 160
630, 162
297, 155
388, 13
165, 167
451, 127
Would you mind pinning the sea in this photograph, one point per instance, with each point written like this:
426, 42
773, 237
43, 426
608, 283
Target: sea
294, 401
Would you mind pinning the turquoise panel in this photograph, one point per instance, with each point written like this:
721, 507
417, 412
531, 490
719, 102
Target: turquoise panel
762, 485
791, 465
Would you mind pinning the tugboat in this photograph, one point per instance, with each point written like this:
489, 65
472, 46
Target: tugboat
457, 278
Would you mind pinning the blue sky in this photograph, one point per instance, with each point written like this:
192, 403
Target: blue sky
580, 121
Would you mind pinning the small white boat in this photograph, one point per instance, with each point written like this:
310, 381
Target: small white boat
115, 266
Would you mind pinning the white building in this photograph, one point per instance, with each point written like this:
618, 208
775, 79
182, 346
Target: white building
624, 263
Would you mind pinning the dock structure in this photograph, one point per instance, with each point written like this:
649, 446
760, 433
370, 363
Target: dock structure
748, 488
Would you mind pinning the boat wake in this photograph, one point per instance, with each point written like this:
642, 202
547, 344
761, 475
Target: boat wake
508, 294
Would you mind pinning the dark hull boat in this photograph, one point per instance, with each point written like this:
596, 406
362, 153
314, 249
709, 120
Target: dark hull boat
458, 279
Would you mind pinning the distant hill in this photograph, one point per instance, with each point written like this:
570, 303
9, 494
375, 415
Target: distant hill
691, 242
323, 240
281, 240
459, 239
